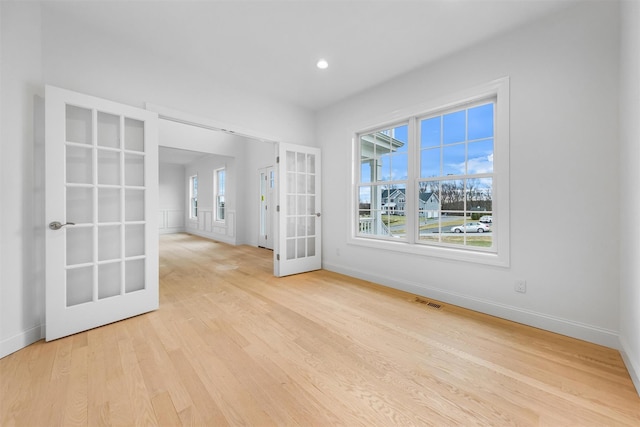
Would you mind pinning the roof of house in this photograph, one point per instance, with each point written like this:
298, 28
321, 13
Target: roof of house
424, 196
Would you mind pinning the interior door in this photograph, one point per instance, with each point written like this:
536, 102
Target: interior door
298, 246
267, 187
101, 212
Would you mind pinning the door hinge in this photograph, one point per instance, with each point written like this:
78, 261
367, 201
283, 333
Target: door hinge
277, 159
278, 257
278, 208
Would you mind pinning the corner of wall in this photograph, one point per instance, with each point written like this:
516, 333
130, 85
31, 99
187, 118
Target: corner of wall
631, 362
23, 339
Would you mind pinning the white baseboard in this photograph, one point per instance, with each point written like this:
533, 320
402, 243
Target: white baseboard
20, 341
632, 363
172, 230
547, 322
213, 236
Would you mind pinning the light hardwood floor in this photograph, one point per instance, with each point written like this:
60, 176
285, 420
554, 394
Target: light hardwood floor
232, 345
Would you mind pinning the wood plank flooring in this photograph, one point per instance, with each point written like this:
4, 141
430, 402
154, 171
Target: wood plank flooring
232, 345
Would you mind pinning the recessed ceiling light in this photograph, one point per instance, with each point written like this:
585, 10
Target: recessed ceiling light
322, 64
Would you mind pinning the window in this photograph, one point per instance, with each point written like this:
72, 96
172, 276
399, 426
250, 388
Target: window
193, 197
219, 191
428, 183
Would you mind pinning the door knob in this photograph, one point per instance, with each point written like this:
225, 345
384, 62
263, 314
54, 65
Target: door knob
55, 225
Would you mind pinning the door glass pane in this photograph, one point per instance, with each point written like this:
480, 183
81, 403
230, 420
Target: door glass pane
109, 243
301, 183
311, 159
108, 205
291, 204
291, 161
301, 248
108, 130
301, 163
311, 184
78, 125
301, 205
302, 226
291, 183
291, 248
311, 226
134, 205
134, 134
109, 278
79, 205
311, 205
134, 275
108, 167
291, 226
134, 240
133, 170
79, 285
311, 246
79, 165
79, 245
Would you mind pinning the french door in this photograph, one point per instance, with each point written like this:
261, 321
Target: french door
298, 245
101, 212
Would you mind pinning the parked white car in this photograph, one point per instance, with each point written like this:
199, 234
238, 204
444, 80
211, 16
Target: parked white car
471, 227
487, 219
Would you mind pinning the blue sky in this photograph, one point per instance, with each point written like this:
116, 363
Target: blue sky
463, 139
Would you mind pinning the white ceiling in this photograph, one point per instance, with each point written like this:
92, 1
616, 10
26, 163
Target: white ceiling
271, 47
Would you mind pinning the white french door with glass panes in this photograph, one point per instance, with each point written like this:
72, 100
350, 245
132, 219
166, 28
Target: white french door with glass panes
101, 198
298, 246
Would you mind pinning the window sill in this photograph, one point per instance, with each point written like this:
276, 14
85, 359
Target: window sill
446, 253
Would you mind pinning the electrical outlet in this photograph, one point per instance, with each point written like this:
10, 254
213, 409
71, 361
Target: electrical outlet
520, 286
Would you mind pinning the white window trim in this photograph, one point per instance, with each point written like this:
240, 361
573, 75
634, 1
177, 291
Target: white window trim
216, 194
498, 89
190, 202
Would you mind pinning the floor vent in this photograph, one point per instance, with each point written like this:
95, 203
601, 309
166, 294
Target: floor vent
428, 303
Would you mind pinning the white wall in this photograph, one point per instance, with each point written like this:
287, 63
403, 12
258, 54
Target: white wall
629, 179
21, 290
171, 198
564, 158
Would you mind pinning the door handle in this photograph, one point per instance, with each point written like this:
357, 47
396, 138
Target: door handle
56, 225
318, 214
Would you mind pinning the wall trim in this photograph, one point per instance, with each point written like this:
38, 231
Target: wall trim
21, 340
632, 364
570, 328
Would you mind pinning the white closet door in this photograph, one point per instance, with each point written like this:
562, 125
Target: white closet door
101, 210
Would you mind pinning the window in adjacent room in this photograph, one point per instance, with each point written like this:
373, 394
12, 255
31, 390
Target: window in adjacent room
193, 197
219, 193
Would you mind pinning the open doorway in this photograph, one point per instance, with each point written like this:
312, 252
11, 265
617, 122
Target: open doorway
189, 151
